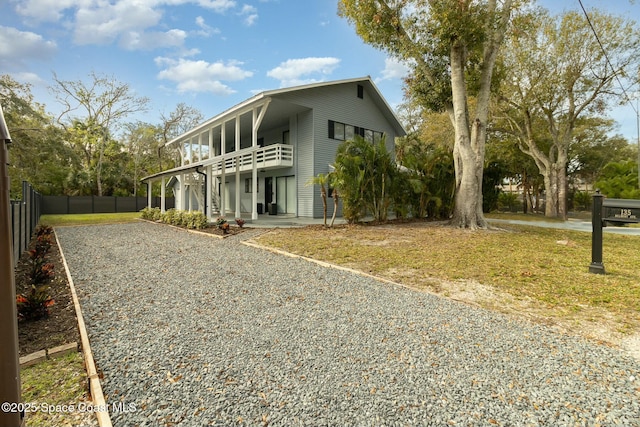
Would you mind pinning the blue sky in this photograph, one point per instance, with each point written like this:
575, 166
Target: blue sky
211, 54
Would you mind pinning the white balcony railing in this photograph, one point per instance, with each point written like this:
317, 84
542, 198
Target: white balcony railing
269, 157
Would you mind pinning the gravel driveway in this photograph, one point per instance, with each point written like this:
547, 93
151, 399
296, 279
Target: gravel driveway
191, 330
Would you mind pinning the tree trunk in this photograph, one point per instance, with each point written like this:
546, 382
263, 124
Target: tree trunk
562, 192
335, 206
468, 150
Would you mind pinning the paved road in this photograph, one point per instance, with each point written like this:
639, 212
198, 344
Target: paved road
572, 224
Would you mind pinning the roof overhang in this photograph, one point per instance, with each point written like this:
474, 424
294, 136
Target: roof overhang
4, 130
264, 98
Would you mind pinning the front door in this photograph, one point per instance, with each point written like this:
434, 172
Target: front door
268, 192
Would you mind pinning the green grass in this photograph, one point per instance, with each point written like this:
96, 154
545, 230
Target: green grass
526, 262
59, 381
88, 219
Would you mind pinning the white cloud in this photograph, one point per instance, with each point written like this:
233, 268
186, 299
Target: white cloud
201, 76
47, 10
18, 46
219, 6
301, 71
394, 69
250, 14
106, 23
205, 30
153, 39
103, 22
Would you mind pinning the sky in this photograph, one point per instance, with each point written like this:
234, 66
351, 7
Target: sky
209, 54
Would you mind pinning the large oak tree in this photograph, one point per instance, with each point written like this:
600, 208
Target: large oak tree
559, 72
452, 46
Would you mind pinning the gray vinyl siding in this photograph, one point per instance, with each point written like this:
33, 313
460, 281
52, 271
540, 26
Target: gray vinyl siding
314, 155
304, 164
345, 107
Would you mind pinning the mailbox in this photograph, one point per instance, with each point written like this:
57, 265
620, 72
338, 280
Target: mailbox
621, 211
609, 211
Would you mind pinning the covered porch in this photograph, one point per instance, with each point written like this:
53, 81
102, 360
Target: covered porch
228, 160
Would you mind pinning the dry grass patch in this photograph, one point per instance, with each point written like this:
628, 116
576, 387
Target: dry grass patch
538, 272
52, 387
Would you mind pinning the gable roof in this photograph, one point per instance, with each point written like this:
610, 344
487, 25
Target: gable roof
377, 98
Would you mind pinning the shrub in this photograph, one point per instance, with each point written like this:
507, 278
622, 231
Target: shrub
195, 220
220, 221
582, 200
34, 304
240, 222
44, 230
222, 224
509, 202
41, 272
170, 216
42, 245
152, 214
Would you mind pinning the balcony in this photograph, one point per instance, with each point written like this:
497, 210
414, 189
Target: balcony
269, 157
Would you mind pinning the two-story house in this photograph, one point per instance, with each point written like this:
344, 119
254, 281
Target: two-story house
258, 156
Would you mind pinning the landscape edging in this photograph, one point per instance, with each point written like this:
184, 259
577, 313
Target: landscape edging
95, 388
47, 354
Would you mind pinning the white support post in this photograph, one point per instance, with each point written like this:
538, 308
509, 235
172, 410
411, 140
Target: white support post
237, 137
237, 144
211, 153
238, 213
254, 164
149, 191
223, 173
183, 192
163, 196
254, 188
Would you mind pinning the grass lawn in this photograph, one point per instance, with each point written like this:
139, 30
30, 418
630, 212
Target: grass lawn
59, 381
541, 270
88, 219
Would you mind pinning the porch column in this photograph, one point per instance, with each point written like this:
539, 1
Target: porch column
149, 191
223, 172
183, 192
211, 153
238, 213
254, 164
163, 195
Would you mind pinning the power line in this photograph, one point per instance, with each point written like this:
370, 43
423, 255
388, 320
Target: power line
607, 57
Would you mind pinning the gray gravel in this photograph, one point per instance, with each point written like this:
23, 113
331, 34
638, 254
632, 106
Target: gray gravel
193, 331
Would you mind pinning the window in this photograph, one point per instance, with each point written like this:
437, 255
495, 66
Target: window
248, 187
349, 132
338, 131
285, 137
360, 91
344, 132
368, 135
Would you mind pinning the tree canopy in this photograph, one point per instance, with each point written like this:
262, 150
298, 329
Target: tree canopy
90, 149
452, 47
558, 74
